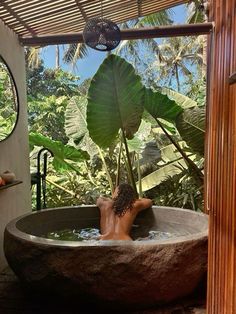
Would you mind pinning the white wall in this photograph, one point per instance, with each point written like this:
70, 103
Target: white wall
14, 151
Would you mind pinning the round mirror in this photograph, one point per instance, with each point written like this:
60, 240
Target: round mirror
8, 101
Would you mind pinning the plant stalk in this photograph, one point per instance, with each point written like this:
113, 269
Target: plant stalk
129, 163
139, 177
127, 167
106, 170
118, 166
62, 188
197, 171
89, 174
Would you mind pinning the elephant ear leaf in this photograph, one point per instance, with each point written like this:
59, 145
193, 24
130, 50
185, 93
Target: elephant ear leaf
182, 100
191, 126
63, 155
76, 125
161, 106
75, 118
115, 101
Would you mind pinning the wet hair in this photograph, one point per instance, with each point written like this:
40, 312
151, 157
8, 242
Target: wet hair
124, 200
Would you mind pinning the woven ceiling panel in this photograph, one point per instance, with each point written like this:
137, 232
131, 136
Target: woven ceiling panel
30, 18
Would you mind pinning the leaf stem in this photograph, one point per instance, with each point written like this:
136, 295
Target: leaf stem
118, 165
106, 169
62, 188
129, 163
196, 170
139, 177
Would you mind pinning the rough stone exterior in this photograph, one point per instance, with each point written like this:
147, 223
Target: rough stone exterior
141, 275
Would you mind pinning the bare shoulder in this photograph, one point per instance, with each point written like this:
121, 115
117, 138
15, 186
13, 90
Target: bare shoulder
142, 203
103, 202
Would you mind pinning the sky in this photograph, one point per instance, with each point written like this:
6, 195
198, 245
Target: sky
88, 66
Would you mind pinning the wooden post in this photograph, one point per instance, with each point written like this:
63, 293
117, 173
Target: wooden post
221, 161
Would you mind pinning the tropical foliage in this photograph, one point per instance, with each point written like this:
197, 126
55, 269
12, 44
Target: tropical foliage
120, 126
48, 94
109, 121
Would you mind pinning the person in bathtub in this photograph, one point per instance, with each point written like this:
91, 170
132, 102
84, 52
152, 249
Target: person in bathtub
119, 212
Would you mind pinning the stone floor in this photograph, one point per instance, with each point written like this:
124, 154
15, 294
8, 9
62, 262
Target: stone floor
14, 299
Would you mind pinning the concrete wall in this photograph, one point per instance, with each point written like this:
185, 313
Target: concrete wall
14, 151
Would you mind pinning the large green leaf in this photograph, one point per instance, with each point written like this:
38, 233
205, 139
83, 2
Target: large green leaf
182, 100
161, 106
115, 101
157, 177
62, 154
171, 163
76, 125
191, 126
137, 143
75, 118
169, 153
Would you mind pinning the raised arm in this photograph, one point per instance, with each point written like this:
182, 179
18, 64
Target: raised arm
143, 203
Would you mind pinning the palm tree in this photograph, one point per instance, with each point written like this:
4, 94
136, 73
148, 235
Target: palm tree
33, 57
176, 58
73, 52
197, 13
132, 46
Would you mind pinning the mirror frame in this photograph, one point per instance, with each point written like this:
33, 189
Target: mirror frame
17, 99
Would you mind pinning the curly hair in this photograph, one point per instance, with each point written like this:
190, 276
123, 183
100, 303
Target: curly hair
124, 200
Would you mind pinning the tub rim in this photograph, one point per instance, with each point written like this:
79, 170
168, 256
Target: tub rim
15, 232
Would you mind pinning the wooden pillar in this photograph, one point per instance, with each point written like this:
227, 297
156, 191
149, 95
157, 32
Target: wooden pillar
221, 161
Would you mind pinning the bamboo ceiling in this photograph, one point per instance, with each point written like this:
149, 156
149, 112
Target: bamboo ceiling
32, 18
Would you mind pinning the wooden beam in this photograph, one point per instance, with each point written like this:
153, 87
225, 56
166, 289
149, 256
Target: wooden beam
139, 4
130, 34
82, 11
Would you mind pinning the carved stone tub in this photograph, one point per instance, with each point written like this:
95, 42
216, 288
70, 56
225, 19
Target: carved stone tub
128, 273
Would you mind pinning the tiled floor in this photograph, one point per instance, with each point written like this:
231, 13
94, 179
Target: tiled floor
14, 299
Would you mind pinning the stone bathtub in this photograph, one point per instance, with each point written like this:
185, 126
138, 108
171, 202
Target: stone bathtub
129, 273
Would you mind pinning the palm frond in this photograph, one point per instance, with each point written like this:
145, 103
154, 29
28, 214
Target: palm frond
74, 52
196, 12
159, 18
184, 69
34, 58
130, 24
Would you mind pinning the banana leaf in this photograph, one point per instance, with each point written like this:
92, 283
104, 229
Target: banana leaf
191, 127
157, 177
171, 163
170, 153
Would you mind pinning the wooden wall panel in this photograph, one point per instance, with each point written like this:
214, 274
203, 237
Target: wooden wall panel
221, 161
